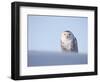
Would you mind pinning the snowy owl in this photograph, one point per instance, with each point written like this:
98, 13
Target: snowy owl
68, 42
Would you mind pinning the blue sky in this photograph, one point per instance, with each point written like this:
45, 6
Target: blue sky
44, 32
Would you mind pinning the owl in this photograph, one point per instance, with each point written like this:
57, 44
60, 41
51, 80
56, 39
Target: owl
68, 42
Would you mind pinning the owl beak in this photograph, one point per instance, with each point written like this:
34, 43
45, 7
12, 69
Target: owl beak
68, 37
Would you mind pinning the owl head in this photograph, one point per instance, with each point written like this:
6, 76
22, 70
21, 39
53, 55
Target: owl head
68, 35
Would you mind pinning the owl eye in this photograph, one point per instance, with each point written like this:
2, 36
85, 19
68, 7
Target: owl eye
69, 34
64, 34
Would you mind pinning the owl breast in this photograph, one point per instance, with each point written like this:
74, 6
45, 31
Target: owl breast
67, 45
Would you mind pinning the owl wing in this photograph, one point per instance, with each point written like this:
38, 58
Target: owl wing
75, 45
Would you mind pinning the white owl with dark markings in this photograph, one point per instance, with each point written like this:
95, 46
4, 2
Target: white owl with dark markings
68, 42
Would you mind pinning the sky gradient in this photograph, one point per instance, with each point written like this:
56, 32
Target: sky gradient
44, 32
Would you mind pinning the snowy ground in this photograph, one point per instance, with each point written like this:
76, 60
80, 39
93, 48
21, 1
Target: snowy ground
36, 58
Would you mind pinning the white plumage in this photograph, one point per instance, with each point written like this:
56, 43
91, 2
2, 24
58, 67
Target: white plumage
68, 42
